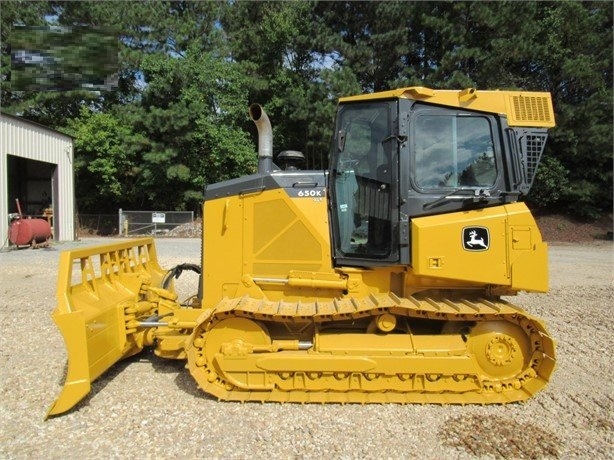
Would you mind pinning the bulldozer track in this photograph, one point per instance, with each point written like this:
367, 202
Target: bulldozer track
464, 383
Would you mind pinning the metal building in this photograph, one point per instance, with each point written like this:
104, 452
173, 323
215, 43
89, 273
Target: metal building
36, 167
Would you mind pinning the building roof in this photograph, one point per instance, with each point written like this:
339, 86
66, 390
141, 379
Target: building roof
33, 123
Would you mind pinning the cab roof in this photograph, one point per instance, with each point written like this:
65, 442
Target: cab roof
522, 108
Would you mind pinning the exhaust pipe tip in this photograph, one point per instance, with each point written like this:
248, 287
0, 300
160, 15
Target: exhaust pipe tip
265, 138
255, 112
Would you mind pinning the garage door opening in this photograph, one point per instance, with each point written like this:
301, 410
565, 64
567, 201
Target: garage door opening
32, 183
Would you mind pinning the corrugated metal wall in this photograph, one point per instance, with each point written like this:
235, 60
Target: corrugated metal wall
24, 139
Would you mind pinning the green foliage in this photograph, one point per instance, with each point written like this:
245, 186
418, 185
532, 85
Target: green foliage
550, 184
104, 166
581, 199
577, 67
187, 72
16, 13
189, 118
62, 58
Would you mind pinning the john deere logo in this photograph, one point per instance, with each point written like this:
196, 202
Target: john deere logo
476, 238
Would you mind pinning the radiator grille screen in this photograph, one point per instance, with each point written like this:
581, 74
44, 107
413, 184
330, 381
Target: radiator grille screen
531, 109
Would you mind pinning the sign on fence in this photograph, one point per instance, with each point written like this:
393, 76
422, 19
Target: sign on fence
152, 222
158, 217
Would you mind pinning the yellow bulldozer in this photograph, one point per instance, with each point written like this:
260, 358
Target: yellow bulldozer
379, 280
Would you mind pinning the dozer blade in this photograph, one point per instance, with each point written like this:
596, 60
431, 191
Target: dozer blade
100, 291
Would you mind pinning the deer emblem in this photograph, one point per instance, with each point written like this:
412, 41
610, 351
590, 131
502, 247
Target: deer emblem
474, 241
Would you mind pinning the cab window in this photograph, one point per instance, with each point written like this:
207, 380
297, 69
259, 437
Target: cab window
453, 151
362, 180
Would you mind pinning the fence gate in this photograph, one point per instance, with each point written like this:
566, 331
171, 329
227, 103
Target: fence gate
152, 222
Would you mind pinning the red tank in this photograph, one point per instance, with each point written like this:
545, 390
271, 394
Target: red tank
26, 232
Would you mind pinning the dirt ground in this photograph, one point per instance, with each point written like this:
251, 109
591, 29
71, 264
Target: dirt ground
148, 407
558, 228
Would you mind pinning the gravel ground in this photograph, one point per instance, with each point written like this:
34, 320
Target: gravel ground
148, 407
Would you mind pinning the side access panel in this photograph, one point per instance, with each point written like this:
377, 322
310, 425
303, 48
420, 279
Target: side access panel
499, 246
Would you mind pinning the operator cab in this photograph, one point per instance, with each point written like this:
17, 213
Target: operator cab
396, 159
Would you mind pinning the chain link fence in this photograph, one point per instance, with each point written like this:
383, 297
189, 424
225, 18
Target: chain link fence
97, 224
151, 222
133, 223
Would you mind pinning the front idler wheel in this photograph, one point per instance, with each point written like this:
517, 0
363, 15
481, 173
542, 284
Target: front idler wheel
501, 349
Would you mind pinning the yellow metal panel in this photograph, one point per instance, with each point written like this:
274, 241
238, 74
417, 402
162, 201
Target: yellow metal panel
278, 236
528, 253
222, 254
521, 238
522, 108
286, 234
530, 270
438, 251
270, 218
264, 235
516, 257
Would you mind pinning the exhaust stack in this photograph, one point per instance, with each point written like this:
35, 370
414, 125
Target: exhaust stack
265, 138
